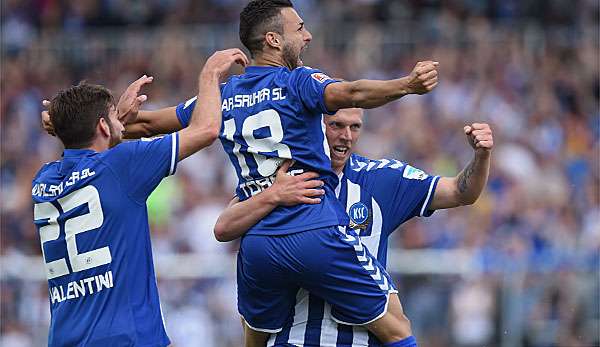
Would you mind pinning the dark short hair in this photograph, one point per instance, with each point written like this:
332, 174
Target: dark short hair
258, 18
76, 111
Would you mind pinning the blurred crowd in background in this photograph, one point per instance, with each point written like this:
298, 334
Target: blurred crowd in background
527, 67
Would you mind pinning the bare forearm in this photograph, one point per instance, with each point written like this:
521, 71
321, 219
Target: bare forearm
238, 218
152, 123
473, 178
205, 122
364, 93
371, 94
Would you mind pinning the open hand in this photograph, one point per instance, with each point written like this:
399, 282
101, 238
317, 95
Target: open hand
130, 102
293, 190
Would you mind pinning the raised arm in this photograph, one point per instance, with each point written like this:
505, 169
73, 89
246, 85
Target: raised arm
371, 93
205, 122
465, 188
151, 123
137, 123
287, 190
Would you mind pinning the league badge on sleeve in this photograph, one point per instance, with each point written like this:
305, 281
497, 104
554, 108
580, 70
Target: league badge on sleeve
320, 77
360, 216
413, 173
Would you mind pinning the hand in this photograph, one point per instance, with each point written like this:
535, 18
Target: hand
480, 137
130, 102
293, 190
221, 61
423, 78
46, 123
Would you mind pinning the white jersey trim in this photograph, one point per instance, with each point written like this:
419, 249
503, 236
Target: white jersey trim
429, 195
270, 331
174, 148
384, 311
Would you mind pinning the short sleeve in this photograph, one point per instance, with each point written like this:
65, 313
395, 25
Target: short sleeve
309, 86
184, 111
407, 192
141, 165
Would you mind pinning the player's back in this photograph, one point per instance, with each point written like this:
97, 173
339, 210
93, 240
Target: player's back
93, 226
271, 114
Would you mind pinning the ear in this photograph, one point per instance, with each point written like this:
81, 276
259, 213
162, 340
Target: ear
103, 128
273, 40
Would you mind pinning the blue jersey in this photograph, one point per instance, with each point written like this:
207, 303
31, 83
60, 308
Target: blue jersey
90, 211
379, 195
271, 114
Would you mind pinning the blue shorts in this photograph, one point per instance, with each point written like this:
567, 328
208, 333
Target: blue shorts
331, 263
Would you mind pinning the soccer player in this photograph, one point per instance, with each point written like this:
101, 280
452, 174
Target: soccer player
379, 195
272, 112
90, 210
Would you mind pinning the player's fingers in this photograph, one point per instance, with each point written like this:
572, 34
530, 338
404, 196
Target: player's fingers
307, 176
468, 129
312, 201
142, 98
45, 103
241, 59
312, 184
480, 126
284, 167
313, 192
428, 75
485, 144
431, 81
430, 87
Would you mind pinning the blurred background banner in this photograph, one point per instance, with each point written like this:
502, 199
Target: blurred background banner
519, 268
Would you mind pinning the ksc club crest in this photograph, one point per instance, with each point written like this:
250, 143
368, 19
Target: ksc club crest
360, 216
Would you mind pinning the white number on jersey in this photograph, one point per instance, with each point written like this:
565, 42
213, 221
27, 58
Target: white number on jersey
73, 226
266, 166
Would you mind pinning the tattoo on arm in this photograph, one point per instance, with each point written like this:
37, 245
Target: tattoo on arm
464, 177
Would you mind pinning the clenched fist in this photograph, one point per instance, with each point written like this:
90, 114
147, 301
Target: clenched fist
423, 78
480, 136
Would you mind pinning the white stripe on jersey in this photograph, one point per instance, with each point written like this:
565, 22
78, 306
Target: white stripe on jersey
360, 336
372, 241
329, 332
300, 318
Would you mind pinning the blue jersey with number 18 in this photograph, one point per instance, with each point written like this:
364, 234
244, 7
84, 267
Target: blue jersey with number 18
90, 210
271, 114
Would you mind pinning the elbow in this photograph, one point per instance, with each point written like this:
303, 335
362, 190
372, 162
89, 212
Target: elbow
220, 232
468, 200
212, 132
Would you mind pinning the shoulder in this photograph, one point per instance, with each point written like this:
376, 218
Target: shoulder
359, 165
46, 169
309, 72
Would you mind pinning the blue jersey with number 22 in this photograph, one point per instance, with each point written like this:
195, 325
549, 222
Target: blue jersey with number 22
90, 210
271, 114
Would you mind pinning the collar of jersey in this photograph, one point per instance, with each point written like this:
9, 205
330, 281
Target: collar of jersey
70, 153
261, 69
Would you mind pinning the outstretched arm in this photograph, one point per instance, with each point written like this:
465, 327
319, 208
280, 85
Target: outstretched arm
287, 190
151, 123
465, 188
371, 93
205, 122
137, 123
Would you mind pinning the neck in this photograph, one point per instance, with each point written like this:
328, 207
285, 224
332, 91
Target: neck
338, 168
269, 59
98, 146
